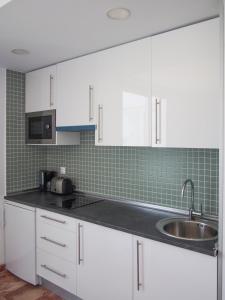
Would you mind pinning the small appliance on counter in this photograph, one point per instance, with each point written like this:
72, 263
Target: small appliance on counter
61, 185
44, 178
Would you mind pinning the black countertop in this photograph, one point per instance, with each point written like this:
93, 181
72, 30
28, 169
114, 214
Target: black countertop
129, 218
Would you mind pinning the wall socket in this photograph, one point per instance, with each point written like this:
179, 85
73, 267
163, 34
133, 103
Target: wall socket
62, 170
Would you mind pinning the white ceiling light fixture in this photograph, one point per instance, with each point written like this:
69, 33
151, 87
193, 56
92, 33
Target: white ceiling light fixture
4, 2
118, 13
20, 51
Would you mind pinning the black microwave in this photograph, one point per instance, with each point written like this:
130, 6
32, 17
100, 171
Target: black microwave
41, 127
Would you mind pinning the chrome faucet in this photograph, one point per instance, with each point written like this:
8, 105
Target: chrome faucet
192, 210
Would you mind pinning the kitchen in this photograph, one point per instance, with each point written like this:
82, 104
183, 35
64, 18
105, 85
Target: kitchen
123, 233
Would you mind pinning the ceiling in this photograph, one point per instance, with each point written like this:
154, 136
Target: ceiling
56, 30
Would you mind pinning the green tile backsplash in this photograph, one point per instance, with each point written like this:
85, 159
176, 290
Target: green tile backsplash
152, 175
143, 174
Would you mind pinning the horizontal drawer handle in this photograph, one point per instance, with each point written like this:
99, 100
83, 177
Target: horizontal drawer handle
52, 241
55, 220
53, 271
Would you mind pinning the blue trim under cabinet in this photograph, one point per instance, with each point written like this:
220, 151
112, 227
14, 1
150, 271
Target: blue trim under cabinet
76, 128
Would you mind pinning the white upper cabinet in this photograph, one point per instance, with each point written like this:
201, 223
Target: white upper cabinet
164, 271
104, 263
75, 91
186, 87
123, 95
41, 90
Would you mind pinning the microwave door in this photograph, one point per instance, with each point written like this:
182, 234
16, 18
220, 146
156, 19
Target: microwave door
40, 128
35, 128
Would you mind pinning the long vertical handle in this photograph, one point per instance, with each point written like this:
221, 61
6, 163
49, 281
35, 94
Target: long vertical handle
158, 121
100, 122
51, 81
79, 244
138, 266
91, 90
4, 219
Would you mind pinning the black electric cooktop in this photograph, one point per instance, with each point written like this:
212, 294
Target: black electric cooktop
74, 201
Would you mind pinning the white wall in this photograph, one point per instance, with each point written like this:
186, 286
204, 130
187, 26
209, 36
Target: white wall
2, 155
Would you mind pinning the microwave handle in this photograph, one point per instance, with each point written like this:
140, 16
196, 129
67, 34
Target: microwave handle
50, 94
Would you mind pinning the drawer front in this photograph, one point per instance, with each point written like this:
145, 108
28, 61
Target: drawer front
57, 271
57, 241
57, 220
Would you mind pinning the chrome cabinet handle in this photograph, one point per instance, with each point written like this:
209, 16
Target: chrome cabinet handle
100, 119
138, 266
54, 271
52, 219
53, 242
79, 244
4, 219
51, 80
91, 90
158, 121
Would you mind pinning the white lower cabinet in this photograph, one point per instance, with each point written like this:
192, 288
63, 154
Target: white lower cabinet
61, 243
56, 249
164, 271
104, 263
56, 270
99, 263
19, 229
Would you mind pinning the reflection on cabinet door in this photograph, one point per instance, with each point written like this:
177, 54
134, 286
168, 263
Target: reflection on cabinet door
104, 263
186, 87
123, 95
41, 89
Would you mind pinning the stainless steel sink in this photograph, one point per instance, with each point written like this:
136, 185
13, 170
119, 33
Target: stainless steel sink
185, 229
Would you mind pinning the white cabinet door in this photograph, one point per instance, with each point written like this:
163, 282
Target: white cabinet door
186, 86
75, 91
104, 263
169, 272
20, 253
123, 95
41, 90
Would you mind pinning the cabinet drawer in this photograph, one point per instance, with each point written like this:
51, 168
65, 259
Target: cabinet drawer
57, 220
57, 271
56, 241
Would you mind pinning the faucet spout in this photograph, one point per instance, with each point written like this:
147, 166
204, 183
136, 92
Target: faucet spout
192, 207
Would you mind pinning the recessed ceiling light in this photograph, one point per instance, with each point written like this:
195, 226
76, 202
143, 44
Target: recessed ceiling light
118, 13
20, 51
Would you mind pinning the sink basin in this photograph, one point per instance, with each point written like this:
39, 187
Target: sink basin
185, 229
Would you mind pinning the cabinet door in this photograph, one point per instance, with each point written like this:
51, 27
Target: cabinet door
186, 87
123, 95
20, 242
40, 89
104, 263
75, 91
169, 272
